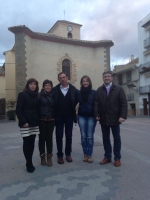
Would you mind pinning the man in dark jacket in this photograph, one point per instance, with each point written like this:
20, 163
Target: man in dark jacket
110, 110
65, 115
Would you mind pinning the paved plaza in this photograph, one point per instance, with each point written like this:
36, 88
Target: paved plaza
78, 180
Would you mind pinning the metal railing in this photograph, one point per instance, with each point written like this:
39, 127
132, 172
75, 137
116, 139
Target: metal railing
145, 89
145, 67
147, 43
130, 97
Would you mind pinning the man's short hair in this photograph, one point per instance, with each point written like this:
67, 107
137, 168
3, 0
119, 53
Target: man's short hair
62, 73
108, 72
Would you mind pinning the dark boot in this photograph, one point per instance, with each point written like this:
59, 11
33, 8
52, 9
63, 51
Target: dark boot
43, 161
30, 167
49, 160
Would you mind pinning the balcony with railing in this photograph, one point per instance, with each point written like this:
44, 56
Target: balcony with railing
147, 43
130, 97
144, 67
145, 89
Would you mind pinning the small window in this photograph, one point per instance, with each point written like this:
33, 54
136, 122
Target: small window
120, 79
128, 76
66, 67
69, 35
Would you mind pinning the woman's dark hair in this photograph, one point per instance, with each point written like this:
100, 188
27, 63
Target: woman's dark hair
30, 81
47, 82
88, 79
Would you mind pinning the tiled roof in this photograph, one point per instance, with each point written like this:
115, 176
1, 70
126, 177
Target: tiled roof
64, 21
59, 39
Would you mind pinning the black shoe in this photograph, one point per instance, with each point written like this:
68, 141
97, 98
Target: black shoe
30, 168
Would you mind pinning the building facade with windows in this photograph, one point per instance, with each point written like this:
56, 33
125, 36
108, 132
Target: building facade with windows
127, 76
44, 55
144, 65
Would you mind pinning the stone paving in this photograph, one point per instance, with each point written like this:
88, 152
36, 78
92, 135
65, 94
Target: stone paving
78, 180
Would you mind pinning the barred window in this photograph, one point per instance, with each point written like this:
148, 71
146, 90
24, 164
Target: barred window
66, 67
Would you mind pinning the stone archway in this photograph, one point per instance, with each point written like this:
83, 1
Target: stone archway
73, 72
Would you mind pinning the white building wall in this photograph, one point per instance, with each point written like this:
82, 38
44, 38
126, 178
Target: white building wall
10, 77
43, 57
2, 87
143, 33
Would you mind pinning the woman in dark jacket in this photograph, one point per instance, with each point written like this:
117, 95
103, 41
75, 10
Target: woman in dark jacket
27, 113
86, 118
46, 103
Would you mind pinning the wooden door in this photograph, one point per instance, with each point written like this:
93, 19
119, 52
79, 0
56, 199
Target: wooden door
145, 106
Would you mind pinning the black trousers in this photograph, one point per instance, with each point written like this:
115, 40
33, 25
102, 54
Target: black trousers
107, 144
28, 149
60, 124
46, 136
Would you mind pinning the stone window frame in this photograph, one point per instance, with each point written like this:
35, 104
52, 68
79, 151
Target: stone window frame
73, 71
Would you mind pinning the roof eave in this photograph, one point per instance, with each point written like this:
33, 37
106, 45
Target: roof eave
58, 39
126, 69
64, 21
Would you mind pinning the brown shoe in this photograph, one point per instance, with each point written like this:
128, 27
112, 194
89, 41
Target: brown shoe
117, 163
60, 160
49, 160
43, 161
68, 158
85, 159
104, 161
90, 160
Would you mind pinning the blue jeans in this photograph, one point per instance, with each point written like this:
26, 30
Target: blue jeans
60, 123
106, 141
87, 128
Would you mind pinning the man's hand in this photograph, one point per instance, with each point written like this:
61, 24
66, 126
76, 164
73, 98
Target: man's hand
97, 118
121, 120
26, 125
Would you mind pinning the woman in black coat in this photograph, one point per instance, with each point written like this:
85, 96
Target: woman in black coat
27, 113
46, 125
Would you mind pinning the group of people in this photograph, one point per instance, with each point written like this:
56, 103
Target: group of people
38, 114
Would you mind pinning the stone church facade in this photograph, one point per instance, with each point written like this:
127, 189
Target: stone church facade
44, 55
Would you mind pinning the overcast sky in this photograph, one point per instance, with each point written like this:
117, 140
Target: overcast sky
115, 20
